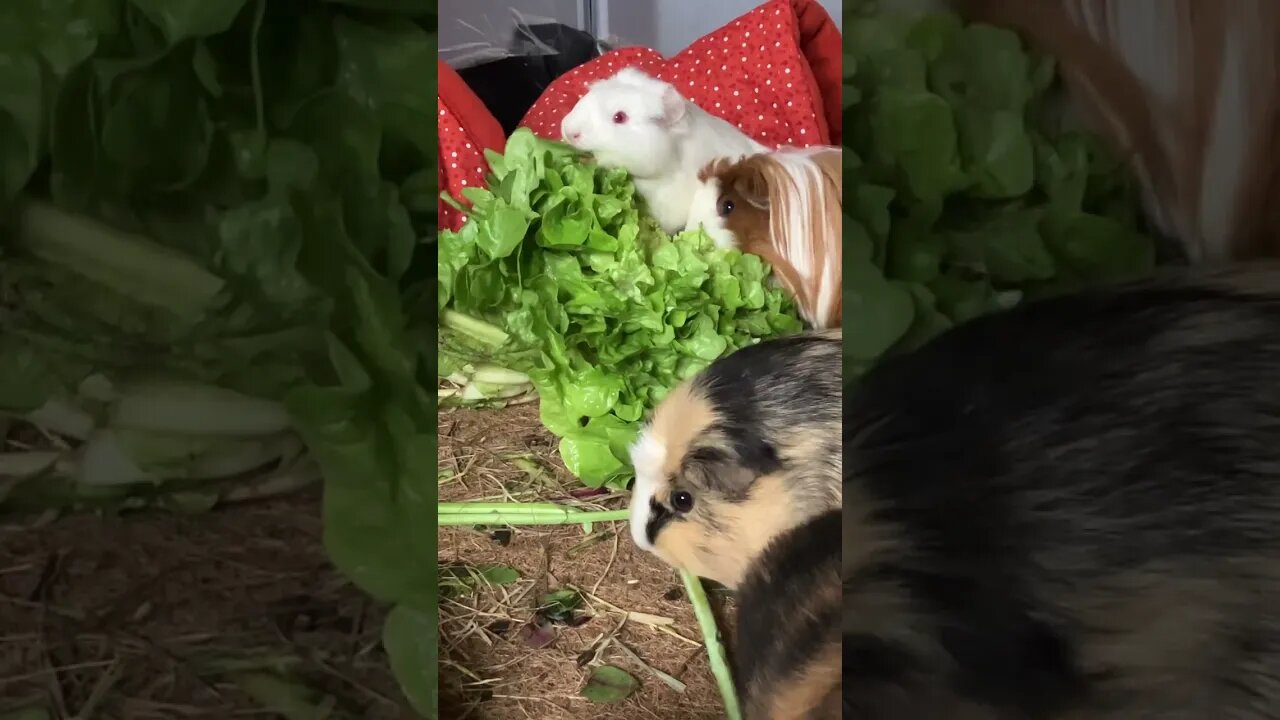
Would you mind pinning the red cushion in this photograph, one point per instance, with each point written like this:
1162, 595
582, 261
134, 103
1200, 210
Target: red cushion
823, 48
466, 128
752, 72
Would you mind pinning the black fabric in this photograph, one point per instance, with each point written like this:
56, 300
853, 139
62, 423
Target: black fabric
510, 86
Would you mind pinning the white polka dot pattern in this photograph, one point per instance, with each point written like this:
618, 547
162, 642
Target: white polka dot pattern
466, 166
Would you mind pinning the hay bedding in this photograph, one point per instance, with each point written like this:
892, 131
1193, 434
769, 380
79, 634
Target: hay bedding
487, 670
117, 618
120, 618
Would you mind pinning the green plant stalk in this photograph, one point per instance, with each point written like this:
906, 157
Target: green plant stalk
447, 508
545, 517
711, 638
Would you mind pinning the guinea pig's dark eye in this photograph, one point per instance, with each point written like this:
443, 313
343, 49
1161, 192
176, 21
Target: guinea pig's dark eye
725, 207
682, 501
619, 117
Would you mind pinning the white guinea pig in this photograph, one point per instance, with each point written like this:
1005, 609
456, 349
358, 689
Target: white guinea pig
644, 125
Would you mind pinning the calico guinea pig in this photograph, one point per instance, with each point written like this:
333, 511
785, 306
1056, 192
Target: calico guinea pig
787, 643
1071, 511
738, 454
784, 206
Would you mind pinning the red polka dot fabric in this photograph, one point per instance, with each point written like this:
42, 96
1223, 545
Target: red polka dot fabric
462, 164
464, 131
752, 72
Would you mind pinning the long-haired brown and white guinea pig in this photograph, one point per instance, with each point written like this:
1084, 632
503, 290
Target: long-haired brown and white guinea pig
738, 454
784, 206
1071, 511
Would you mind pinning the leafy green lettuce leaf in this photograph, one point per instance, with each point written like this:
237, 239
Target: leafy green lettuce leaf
964, 193
234, 192
601, 309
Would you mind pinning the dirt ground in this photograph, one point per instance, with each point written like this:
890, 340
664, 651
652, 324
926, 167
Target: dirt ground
155, 615
152, 615
489, 667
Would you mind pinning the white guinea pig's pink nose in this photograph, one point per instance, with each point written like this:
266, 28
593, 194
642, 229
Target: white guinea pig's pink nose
568, 132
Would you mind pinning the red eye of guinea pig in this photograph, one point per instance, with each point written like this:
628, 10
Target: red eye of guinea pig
724, 207
619, 117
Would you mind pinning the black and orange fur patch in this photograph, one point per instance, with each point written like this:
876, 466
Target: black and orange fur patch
1071, 511
787, 646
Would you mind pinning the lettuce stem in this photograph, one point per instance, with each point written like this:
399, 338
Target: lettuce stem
129, 264
26, 463
494, 375
193, 409
474, 327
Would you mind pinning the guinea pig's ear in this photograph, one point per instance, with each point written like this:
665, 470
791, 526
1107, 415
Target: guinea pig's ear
673, 107
713, 169
830, 162
715, 468
748, 179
